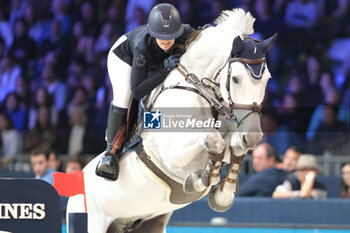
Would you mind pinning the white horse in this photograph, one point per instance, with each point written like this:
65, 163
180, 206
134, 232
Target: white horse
140, 197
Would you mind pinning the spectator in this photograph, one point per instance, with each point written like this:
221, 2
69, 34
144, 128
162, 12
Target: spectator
290, 159
345, 181
55, 87
81, 138
38, 28
74, 164
23, 48
304, 185
15, 110
139, 18
103, 97
266, 24
43, 136
331, 97
11, 139
293, 115
328, 131
326, 81
80, 100
335, 18
6, 36
77, 32
2, 46
88, 82
42, 99
40, 165
267, 176
312, 85
23, 91
56, 43
54, 162
85, 48
104, 40
9, 72
132, 6
301, 16
295, 86
278, 135
75, 70
115, 15
16, 10
88, 16
345, 102
59, 10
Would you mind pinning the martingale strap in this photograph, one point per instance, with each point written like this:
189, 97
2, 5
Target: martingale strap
205, 93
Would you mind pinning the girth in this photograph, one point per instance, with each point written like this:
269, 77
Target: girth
177, 194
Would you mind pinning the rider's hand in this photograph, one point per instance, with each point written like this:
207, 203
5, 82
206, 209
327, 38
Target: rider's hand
171, 62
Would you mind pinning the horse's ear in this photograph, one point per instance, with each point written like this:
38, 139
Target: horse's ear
268, 43
237, 46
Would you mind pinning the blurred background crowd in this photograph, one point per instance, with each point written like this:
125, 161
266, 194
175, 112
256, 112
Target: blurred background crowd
55, 90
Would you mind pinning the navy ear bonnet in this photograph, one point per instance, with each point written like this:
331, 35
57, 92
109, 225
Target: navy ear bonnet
252, 49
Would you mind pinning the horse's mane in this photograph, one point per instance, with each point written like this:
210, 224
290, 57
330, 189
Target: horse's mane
238, 19
216, 42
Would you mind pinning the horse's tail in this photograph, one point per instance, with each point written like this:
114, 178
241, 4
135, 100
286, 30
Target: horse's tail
237, 19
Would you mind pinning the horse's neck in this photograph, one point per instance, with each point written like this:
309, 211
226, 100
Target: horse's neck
208, 53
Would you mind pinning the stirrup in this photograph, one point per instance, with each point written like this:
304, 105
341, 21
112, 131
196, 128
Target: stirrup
108, 167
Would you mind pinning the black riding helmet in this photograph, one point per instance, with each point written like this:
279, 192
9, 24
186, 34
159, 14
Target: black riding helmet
164, 22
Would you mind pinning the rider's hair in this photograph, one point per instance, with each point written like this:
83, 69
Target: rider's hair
181, 48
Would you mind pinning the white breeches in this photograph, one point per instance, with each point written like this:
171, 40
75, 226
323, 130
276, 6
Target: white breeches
119, 74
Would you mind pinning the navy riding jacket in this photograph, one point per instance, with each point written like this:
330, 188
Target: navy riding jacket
143, 54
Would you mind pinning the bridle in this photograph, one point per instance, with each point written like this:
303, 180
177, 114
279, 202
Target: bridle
252, 107
216, 102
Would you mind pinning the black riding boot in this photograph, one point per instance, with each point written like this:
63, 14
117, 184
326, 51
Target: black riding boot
108, 166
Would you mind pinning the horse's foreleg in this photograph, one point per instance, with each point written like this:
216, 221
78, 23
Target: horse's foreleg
221, 198
201, 179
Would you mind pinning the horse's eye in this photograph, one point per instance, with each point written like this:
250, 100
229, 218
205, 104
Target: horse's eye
235, 80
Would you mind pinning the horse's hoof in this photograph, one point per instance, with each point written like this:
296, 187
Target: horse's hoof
190, 182
108, 167
214, 205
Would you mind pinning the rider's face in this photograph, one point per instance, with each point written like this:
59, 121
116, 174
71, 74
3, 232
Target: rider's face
165, 44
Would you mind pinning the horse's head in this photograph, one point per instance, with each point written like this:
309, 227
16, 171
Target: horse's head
243, 81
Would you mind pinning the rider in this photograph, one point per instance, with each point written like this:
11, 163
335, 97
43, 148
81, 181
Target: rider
137, 63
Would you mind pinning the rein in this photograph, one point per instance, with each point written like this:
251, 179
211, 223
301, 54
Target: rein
214, 101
